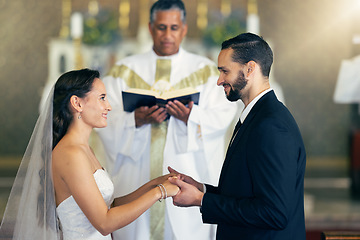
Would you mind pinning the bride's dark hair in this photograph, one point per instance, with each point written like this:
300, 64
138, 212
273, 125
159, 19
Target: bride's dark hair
78, 83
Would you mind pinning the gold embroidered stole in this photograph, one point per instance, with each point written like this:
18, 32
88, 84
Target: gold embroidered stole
133, 80
158, 140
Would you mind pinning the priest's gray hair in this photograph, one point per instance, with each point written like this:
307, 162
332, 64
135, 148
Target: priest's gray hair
167, 5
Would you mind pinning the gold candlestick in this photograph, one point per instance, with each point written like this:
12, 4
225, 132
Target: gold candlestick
79, 63
144, 13
124, 12
225, 8
252, 7
202, 10
93, 7
66, 12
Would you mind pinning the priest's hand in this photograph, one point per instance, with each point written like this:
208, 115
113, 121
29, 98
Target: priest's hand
146, 115
179, 110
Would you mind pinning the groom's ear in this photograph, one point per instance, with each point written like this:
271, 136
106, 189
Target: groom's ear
250, 66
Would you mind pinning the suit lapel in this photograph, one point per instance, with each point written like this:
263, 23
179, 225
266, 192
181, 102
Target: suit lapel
231, 148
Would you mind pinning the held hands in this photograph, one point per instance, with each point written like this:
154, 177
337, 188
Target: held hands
168, 190
191, 191
186, 179
165, 187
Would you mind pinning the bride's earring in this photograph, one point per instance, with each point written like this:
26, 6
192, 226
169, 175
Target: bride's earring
79, 117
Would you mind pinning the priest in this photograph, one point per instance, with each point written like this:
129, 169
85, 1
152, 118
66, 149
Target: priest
191, 138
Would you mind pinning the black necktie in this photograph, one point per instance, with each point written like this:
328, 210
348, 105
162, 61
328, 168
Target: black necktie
238, 124
237, 127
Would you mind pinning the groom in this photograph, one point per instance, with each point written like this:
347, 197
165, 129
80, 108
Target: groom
260, 194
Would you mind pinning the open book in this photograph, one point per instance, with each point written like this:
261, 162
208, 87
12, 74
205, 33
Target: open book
134, 97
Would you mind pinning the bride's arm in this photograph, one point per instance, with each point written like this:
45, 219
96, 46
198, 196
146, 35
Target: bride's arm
77, 173
142, 190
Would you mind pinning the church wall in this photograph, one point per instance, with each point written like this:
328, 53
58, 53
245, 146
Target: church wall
25, 29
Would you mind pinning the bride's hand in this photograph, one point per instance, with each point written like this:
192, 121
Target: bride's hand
171, 189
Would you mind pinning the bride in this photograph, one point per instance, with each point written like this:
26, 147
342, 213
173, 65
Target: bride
61, 190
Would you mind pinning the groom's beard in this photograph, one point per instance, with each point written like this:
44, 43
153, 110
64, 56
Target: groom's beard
240, 83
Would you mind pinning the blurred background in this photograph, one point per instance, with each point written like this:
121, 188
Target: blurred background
315, 46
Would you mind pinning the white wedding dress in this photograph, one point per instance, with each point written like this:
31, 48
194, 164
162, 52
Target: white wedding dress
74, 224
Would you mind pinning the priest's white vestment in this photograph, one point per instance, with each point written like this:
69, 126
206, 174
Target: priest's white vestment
196, 149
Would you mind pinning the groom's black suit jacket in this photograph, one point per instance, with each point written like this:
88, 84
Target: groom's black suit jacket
261, 187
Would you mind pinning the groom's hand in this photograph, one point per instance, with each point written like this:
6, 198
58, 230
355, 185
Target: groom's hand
187, 179
188, 195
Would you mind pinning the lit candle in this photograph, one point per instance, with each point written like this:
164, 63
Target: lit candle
252, 21
76, 25
253, 24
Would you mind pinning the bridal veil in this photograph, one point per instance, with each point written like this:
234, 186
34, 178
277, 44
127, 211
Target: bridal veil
31, 210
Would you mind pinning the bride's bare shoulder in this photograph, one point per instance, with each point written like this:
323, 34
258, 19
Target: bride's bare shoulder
69, 154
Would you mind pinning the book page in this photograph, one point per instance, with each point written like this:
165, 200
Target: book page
143, 92
178, 93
